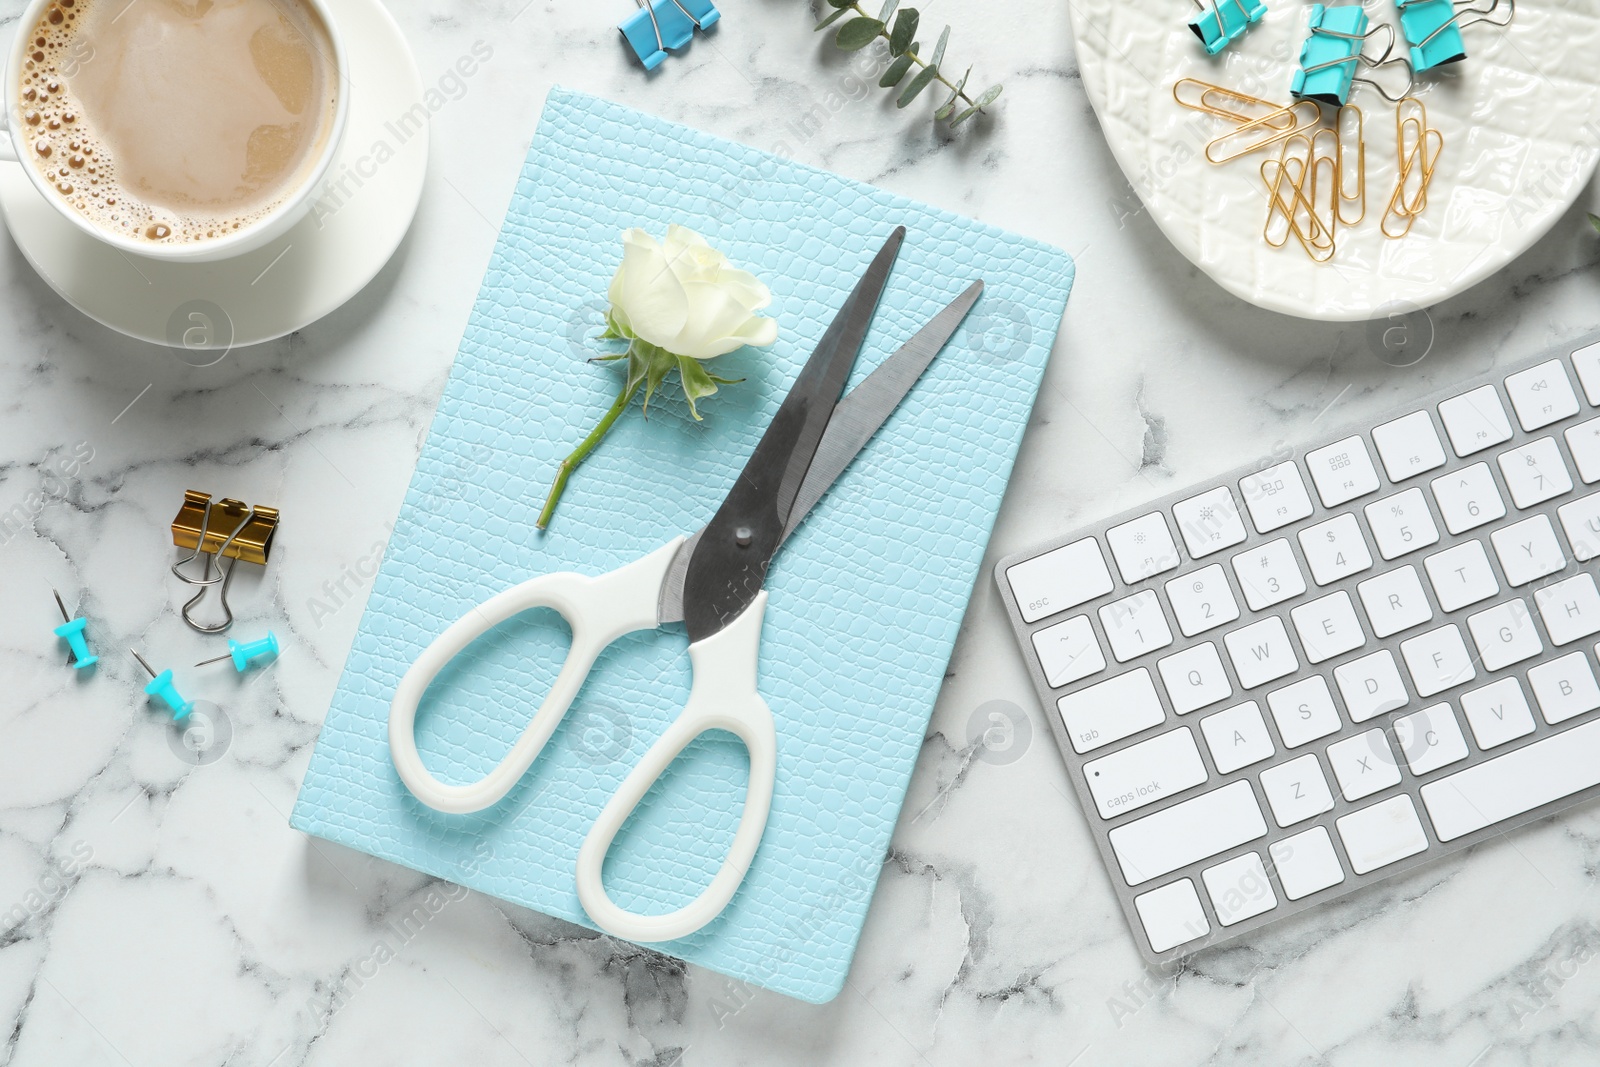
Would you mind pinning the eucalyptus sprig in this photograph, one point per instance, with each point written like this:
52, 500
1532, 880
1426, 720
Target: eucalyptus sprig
860, 29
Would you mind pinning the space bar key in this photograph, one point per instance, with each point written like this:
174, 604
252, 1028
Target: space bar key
1517, 782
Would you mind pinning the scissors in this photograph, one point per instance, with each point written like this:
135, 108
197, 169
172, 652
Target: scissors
712, 582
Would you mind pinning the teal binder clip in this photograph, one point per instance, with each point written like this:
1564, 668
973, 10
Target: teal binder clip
1220, 22
1432, 33
1333, 52
1432, 28
661, 25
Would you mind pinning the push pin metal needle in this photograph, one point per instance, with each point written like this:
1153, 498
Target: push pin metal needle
72, 630
161, 685
245, 653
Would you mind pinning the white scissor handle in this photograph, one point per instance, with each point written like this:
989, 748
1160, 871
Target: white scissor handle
599, 610
723, 696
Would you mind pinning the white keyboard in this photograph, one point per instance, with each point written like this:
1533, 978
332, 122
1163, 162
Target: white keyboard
1285, 684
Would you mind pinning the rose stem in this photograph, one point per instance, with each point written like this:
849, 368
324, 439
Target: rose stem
581, 453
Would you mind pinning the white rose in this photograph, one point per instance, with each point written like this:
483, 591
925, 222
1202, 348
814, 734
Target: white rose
683, 296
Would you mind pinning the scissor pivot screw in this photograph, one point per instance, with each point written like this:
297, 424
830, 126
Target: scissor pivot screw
742, 537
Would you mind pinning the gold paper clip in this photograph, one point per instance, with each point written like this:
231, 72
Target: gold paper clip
228, 529
1359, 148
1304, 115
1417, 150
1298, 212
1229, 104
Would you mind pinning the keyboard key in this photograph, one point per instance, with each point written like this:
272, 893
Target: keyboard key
1363, 764
1430, 739
1143, 547
1564, 688
1060, 579
1408, 446
1068, 651
1276, 497
1261, 652
1145, 773
1535, 472
1306, 863
1202, 601
1583, 441
1581, 521
1475, 420
1528, 550
1468, 498
1514, 783
1304, 711
1195, 678
1109, 711
1135, 625
1498, 712
1570, 609
1335, 549
1461, 575
1342, 471
1587, 362
1187, 832
1237, 737
1209, 522
1395, 601
1172, 915
1239, 888
1328, 627
1296, 791
1269, 574
1370, 686
1505, 634
1542, 395
1437, 661
1402, 523
1385, 833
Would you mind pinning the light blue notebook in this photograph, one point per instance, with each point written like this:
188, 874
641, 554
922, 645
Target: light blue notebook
866, 597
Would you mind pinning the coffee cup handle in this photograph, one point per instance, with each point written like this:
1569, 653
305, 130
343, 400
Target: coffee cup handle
8, 144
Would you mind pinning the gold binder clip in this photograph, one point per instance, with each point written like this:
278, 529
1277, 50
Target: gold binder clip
227, 529
1265, 131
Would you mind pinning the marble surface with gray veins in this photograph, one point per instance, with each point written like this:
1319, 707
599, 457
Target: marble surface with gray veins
155, 911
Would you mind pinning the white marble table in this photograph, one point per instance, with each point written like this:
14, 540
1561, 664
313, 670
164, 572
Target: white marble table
156, 912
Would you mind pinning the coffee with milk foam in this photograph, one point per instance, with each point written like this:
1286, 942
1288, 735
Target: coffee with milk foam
176, 120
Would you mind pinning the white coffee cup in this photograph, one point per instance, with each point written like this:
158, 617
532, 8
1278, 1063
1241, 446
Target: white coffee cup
253, 235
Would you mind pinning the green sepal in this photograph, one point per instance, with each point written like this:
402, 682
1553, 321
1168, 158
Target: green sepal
697, 382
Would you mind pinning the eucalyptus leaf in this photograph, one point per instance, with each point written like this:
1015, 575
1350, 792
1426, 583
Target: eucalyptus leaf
842, 4
1594, 220
858, 33
896, 71
963, 117
990, 95
924, 77
697, 384
938, 49
946, 109
888, 9
831, 19
905, 31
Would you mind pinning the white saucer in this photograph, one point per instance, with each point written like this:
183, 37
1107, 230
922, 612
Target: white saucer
292, 282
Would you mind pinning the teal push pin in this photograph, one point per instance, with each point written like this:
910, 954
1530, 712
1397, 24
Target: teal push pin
72, 630
246, 653
161, 685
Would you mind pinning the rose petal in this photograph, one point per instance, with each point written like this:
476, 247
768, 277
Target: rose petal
718, 324
646, 293
744, 287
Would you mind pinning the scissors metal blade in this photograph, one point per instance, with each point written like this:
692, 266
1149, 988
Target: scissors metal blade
728, 566
859, 415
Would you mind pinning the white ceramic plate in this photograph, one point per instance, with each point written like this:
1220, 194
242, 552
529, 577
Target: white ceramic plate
313, 269
1518, 116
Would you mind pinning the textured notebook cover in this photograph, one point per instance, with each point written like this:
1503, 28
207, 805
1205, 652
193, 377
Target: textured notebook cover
866, 597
